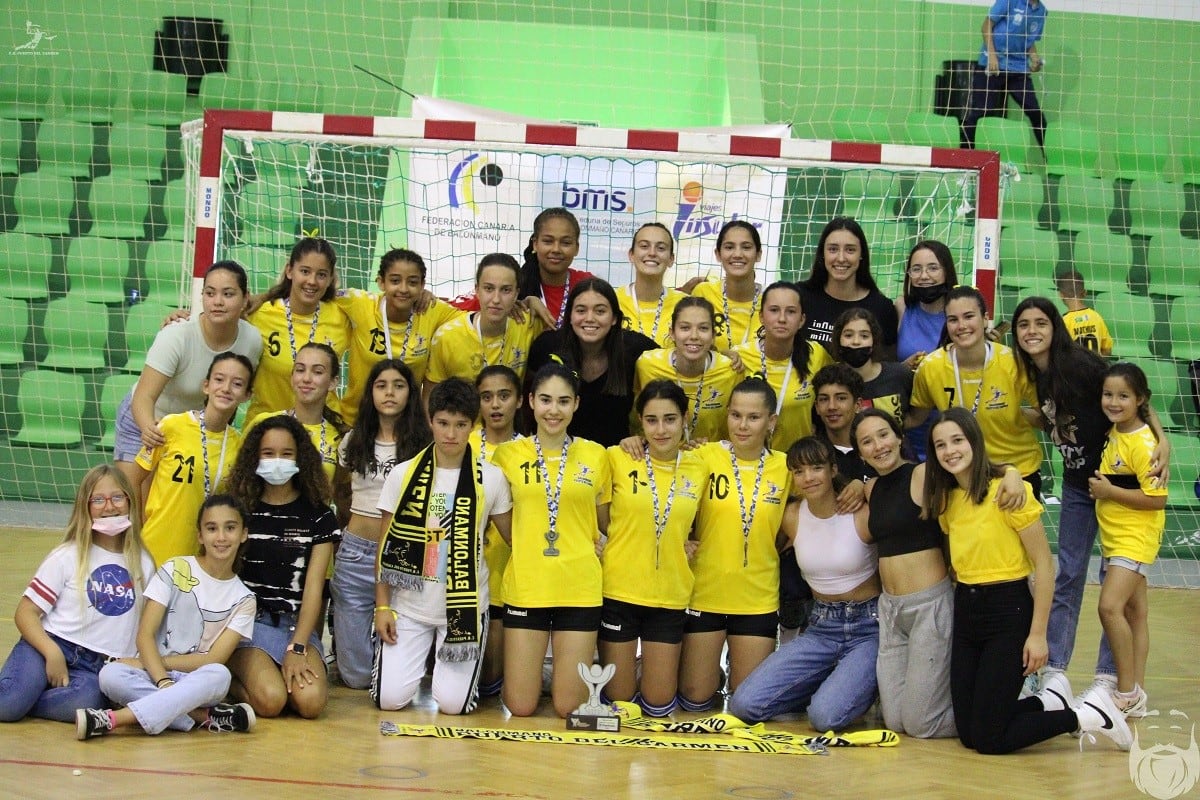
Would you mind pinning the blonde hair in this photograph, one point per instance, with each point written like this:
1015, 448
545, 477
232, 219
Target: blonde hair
79, 527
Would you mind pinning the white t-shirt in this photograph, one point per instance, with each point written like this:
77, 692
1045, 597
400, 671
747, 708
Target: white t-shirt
429, 605
180, 352
364, 489
199, 607
102, 615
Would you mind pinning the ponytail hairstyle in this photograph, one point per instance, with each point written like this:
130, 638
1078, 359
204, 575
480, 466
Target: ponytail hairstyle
335, 368
961, 293
225, 501
530, 284
944, 257
1135, 378
283, 289
510, 375
801, 346
398, 254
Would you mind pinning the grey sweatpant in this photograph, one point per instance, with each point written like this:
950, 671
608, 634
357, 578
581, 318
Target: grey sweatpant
913, 667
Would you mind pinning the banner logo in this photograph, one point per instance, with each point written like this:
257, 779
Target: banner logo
462, 179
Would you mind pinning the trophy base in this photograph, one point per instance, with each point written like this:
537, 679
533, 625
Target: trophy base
593, 722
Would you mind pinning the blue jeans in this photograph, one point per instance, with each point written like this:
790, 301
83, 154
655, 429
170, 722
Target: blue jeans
352, 589
1077, 528
158, 709
828, 670
24, 691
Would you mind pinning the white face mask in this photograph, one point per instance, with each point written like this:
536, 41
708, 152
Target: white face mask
112, 526
277, 471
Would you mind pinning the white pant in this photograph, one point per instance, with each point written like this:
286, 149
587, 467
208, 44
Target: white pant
399, 668
158, 709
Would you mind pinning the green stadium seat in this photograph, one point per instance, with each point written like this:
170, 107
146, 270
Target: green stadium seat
163, 271
119, 206
137, 151
1024, 200
1082, 201
1104, 258
280, 163
857, 124
158, 98
1028, 258
91, 95
142, 324
269, 215
1185, 456
76, 332
25, 91
10, 147
869, 195
173, 207
289, 94
1130, 320
1141, 154
44, 204
65, 148
1185, 333
1164, 375
1173, 264
116, 387
98, 269
933, 130
25, 262
1011, 138
222, 90
14, 329
1155, 206
889, 243
51, 405
264, 265
1071, 148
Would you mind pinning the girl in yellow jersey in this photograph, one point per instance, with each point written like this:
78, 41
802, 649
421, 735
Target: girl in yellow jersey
198, 451
646, 303
736, 295
736, 593
999, 625
297, 310
499, 399
786, 361
389, 325
983, 377
647, 579
706, 377
1130, 507
489, 336
314, 373
561, 489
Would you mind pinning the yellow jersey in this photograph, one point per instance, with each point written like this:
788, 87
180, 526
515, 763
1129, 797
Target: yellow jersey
737, 571
650, 316
1124, 531
324, 437
371, 341
794, 393
737, 321
985, 545
179, 470
993, 395
708, 394
570, 577
1087, 327
644, 560
496, 551
273, 380
460, 349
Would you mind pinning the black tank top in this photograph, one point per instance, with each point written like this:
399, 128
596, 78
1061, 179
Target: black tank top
895, 522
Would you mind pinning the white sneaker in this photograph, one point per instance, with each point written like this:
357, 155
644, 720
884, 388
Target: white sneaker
1056, 690
1097, 713
1134, 708
1031, 686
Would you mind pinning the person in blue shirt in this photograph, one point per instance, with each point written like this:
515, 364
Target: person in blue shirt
1006, 61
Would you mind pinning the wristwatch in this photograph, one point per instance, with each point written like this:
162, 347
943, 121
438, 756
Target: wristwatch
297, 647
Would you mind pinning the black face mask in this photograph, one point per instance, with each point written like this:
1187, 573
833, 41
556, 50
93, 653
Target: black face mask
929, 294
856, 356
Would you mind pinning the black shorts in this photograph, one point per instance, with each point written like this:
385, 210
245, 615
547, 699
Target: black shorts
765, 625
628, 622
496, 613
554, 618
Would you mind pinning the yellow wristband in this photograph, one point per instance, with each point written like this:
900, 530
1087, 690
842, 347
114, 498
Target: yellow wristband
395, 613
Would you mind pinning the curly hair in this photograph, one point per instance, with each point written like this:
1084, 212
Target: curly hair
247, 486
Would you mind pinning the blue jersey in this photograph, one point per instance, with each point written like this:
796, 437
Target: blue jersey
1016, 26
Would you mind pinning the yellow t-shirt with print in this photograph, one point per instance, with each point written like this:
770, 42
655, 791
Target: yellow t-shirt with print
735, 574
640, 567
324, 437
533, 579
708, 394
177, 471
1087, 327
496, 551
273, 379
650, 316
459, 349
795, 400
985, 545
738, 321
993, 394
369, 343
1125, 531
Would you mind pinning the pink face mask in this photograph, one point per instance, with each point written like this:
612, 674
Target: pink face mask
111, 526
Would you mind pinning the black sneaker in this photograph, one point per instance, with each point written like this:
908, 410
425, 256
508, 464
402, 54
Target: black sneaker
91, 722
230, 717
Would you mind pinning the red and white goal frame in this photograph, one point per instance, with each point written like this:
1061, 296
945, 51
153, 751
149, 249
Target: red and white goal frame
611, 142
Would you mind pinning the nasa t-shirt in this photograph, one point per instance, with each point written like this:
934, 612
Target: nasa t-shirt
102, 614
